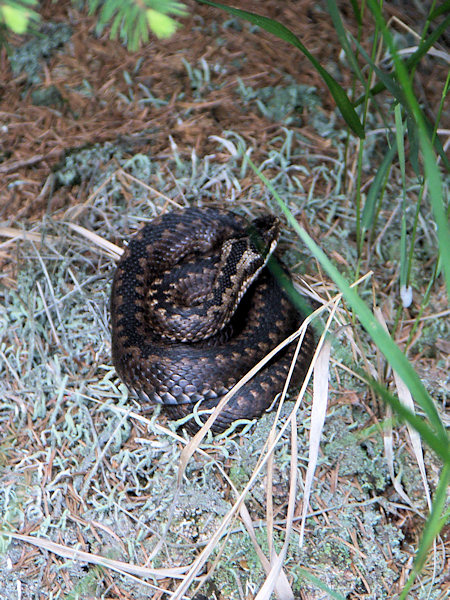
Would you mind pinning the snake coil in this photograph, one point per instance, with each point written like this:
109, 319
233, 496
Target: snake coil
194, 308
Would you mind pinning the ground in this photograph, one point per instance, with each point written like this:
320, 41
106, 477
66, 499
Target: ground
96, 136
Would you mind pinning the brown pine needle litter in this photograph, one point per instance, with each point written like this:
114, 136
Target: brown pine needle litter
97, 499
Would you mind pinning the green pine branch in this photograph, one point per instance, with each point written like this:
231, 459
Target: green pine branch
130, 20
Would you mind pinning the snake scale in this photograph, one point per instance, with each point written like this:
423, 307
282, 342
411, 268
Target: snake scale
194, 308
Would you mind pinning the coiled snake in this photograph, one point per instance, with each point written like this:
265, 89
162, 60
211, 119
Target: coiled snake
193, 309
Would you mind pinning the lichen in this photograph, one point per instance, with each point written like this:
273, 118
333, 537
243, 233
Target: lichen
27, 57
281, 103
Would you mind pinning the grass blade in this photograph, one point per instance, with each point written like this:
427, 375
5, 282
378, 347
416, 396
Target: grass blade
415, 58
282, 32
392, 352
398, 92
339, 27
374, 191
388, 81
440, 446
435, 522
322, 586
431, 169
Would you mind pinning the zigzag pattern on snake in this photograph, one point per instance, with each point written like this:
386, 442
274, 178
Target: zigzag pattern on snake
185, 269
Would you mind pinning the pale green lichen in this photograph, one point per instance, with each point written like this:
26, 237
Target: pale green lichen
281, 103
42, 45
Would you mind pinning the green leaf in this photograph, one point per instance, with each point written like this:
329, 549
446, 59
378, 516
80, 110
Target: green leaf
133, 19
115, 26
283, 33
15, 18
168, 7
93, 5
108, 9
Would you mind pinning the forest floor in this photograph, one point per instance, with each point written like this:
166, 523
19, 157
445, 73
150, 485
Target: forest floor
95, 136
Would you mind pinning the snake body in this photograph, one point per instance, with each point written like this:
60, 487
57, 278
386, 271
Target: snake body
202, 273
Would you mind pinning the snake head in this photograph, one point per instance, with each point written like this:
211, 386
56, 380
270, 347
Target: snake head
264, 233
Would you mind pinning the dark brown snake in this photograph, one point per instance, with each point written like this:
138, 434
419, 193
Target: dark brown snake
184, 270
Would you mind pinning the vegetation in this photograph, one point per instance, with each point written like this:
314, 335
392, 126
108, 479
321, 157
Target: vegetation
130, 20
412, 153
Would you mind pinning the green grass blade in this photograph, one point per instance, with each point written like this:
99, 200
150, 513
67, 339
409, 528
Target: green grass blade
397, 91
440, 10
441, 104
411, 62
413, 140
431, 168
357, 12
439, 446
415, 58
343, 39
374, 191
384, 342
282, 32
433, 526
387, 79
400, 137
318, 583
